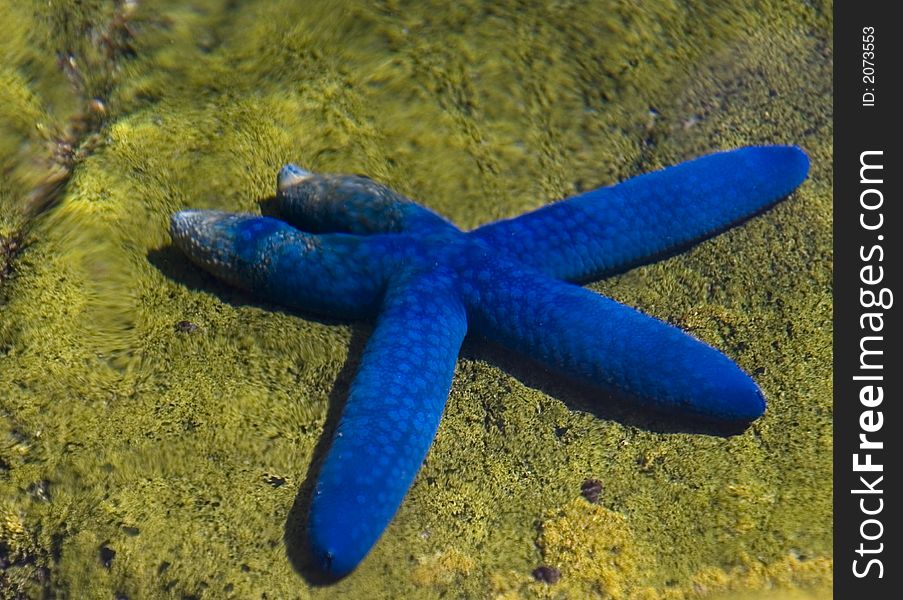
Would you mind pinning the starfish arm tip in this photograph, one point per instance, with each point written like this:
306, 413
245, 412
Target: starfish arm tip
289, 175
786, 167
730, 394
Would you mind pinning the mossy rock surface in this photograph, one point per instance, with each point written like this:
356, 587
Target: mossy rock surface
157, 429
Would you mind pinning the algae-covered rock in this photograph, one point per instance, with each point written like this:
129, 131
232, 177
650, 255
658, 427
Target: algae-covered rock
158, 430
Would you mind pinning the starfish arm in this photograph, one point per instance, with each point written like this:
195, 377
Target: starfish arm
590, 337
338, 275
348, 203
389, 421
611, 229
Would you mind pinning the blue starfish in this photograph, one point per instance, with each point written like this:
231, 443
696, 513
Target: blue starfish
348, 247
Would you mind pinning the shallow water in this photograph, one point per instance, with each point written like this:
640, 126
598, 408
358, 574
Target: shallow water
157, 429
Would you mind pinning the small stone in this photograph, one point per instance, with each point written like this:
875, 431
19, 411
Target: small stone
546, 574
107, 555
275, 481
186, 327
590, 490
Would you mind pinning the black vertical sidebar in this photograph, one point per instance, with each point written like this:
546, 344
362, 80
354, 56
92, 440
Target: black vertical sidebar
868, 167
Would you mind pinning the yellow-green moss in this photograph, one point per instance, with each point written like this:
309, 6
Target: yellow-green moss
183, 447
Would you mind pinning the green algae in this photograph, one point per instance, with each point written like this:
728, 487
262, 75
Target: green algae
183, 447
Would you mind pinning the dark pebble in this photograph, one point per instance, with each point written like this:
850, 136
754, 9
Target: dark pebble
590, 489
546, 574
275, 481
107, 555
186, 327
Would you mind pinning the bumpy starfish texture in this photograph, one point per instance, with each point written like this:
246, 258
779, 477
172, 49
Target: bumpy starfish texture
348, 247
